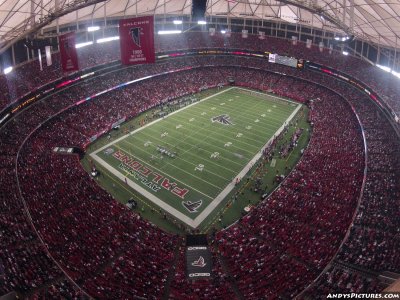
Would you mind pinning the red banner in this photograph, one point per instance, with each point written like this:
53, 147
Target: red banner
136, 38
69, 57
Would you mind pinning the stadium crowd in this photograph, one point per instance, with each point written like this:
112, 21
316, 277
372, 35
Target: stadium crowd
103, 218
60, 289
304, 213
374, 236
28, 77
110, 242
276, 250
339, 280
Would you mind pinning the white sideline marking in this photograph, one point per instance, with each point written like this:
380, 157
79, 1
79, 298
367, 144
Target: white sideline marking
269, 95
194, 223
193, 154
208, 143
158, 120
200, 218
169, 163
173, 211
159, 170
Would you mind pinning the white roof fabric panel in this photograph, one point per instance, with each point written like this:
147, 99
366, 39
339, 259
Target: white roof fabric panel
377, 22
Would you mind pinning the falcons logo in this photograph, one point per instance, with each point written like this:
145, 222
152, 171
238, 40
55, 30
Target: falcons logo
223, 119
192, 206
135, 35
199, 263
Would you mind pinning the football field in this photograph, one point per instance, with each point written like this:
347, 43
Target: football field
188, 161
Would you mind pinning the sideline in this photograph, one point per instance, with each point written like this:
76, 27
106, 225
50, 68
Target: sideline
194, 223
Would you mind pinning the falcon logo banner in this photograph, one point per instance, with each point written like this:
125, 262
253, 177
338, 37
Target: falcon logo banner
69, 56
136, 38
199, 262
135, 34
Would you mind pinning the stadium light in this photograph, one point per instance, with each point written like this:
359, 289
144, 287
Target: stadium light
177, 22
108, 39
169, 31
93, 28
7, 70
341, 39
397, 74
384, 68
345, 53
201, 22
80, 45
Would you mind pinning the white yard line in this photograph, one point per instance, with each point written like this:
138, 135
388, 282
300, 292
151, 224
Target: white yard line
95, 156
243, 129
179, 158
283, 109
220, 197
231, 136
171, 210
249, 120
190, 153
159, 170
138, 188
247, 115
264, 126
205, 142
269, 95
204, 214
158, 120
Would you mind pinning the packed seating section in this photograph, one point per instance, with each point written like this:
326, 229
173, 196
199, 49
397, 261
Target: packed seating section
302, 224
291, 236
341, 281
29, 77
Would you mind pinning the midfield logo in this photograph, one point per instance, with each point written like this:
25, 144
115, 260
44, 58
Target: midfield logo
135, 33
199, 263
192, 206
223, 119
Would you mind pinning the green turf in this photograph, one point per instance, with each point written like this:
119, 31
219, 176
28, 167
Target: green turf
231, 210
194, 138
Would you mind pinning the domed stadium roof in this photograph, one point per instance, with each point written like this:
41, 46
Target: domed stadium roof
373, 21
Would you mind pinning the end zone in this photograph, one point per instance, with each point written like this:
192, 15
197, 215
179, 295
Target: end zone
140, 170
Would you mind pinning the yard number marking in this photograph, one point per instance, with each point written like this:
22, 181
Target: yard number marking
214, 155
199, 167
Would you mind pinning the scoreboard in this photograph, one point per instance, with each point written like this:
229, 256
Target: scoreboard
282, 60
